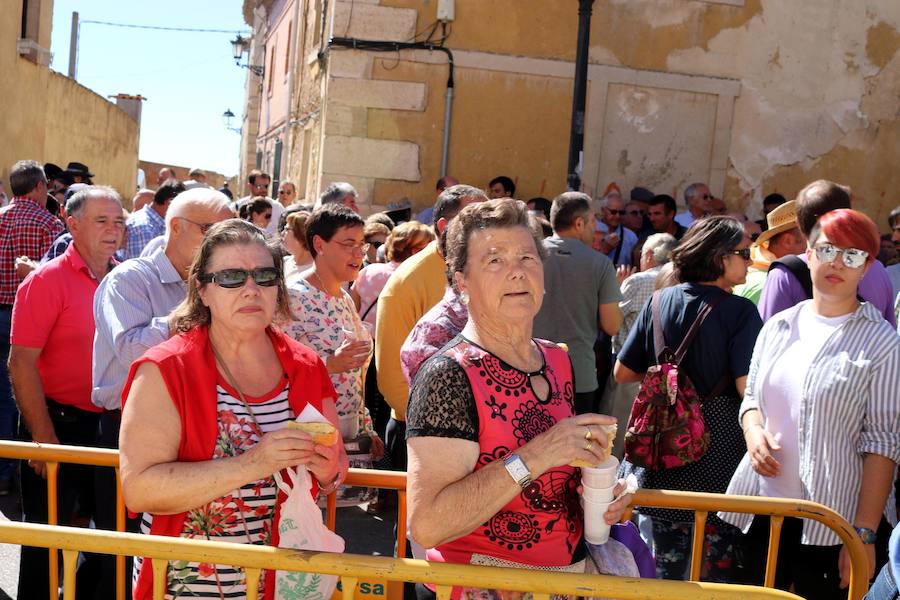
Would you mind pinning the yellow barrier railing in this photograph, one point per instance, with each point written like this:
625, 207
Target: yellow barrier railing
701, 504
352, 567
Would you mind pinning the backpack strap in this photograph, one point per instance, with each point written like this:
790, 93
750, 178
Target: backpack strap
798, 269
659, 342
695, 326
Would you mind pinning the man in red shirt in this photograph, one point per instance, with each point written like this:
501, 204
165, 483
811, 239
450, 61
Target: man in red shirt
26, 229
50, 368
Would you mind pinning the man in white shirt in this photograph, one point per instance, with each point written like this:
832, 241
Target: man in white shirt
696, 197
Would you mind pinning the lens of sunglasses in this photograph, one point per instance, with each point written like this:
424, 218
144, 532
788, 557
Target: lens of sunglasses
613, 211
235, 278
853, 257
743, 253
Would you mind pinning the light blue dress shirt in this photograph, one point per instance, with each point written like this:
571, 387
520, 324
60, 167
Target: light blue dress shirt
131, 309
142, 226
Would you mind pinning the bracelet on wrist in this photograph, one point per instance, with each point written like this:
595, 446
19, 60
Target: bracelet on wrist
326, 489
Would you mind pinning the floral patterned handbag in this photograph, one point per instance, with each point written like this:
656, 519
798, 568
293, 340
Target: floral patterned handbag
666, 428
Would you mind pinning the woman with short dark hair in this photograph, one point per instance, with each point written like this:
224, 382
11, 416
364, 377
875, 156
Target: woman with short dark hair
491, 425
204, 422
325, 318
710, 260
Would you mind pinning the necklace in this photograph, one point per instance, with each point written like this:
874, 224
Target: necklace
233, 383
321, 283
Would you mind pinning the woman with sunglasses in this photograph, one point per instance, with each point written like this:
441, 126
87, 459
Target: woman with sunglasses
325, 317
708, 262
820, 415
204, 424
259, 212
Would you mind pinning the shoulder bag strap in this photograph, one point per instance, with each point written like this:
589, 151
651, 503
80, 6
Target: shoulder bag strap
618, 251
695, 327
374, 302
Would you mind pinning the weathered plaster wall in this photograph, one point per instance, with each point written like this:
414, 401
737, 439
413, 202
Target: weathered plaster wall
820, 97
51, 118
819, 85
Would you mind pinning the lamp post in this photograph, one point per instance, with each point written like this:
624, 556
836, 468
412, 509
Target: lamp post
227, 116
240, 45
576, 135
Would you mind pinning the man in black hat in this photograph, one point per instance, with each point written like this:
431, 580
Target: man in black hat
79, 173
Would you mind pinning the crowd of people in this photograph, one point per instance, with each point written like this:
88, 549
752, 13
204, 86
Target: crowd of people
482, 347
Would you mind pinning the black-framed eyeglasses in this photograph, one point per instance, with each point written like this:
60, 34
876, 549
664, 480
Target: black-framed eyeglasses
237, 278
204, 227
743, 253
853, 258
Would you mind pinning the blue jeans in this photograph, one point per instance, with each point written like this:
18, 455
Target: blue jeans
9, 414
884, 588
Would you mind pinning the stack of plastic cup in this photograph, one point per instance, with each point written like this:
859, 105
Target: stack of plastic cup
598, 483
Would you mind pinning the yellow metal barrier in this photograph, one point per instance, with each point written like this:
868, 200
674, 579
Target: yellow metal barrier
351, 567
701, 504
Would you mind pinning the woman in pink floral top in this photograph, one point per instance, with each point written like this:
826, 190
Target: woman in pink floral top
325, 318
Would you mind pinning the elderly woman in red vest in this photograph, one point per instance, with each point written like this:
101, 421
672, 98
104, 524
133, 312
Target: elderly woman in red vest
203, 426
491, 426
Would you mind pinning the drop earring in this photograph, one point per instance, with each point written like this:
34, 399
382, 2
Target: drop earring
464, 298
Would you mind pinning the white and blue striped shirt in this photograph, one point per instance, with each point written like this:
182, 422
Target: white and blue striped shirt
849, 407
131, 309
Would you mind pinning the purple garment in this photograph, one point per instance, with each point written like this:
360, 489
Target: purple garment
782, 290
438, 326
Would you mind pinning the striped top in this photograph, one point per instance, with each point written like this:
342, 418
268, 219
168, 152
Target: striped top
243, 515
848, 408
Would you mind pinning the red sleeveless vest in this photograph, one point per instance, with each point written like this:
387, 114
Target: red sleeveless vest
188, 367
542, 525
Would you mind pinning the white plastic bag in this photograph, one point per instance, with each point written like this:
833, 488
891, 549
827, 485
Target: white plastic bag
300, 526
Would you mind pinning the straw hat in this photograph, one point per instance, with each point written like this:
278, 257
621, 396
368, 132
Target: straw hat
783, 218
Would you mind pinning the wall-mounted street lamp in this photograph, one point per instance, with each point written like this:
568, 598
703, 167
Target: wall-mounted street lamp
227, 117
240, 45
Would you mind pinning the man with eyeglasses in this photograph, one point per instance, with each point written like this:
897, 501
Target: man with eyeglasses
620, 241
697, 199
258, 183
789, 282
150, 222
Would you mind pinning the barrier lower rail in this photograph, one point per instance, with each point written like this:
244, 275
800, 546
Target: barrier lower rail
351, 567
701, 504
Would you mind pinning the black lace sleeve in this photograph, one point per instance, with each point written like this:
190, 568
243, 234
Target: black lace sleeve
441, 403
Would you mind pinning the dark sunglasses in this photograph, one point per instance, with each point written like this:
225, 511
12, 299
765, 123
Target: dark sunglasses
236, 278
376, 244
743, 253
613, 211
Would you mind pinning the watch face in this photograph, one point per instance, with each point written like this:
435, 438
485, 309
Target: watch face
517, 468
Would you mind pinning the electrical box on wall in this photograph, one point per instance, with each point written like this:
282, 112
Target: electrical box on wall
446, 10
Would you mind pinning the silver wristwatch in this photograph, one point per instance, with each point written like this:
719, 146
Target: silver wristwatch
518, 470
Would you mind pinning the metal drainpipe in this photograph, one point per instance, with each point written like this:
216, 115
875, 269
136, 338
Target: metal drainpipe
576, 135
448, 111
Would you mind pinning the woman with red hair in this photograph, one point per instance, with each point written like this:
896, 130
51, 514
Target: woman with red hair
820, 414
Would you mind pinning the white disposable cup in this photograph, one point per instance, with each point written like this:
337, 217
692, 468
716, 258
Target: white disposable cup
598, 494
596, 531
601, 476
